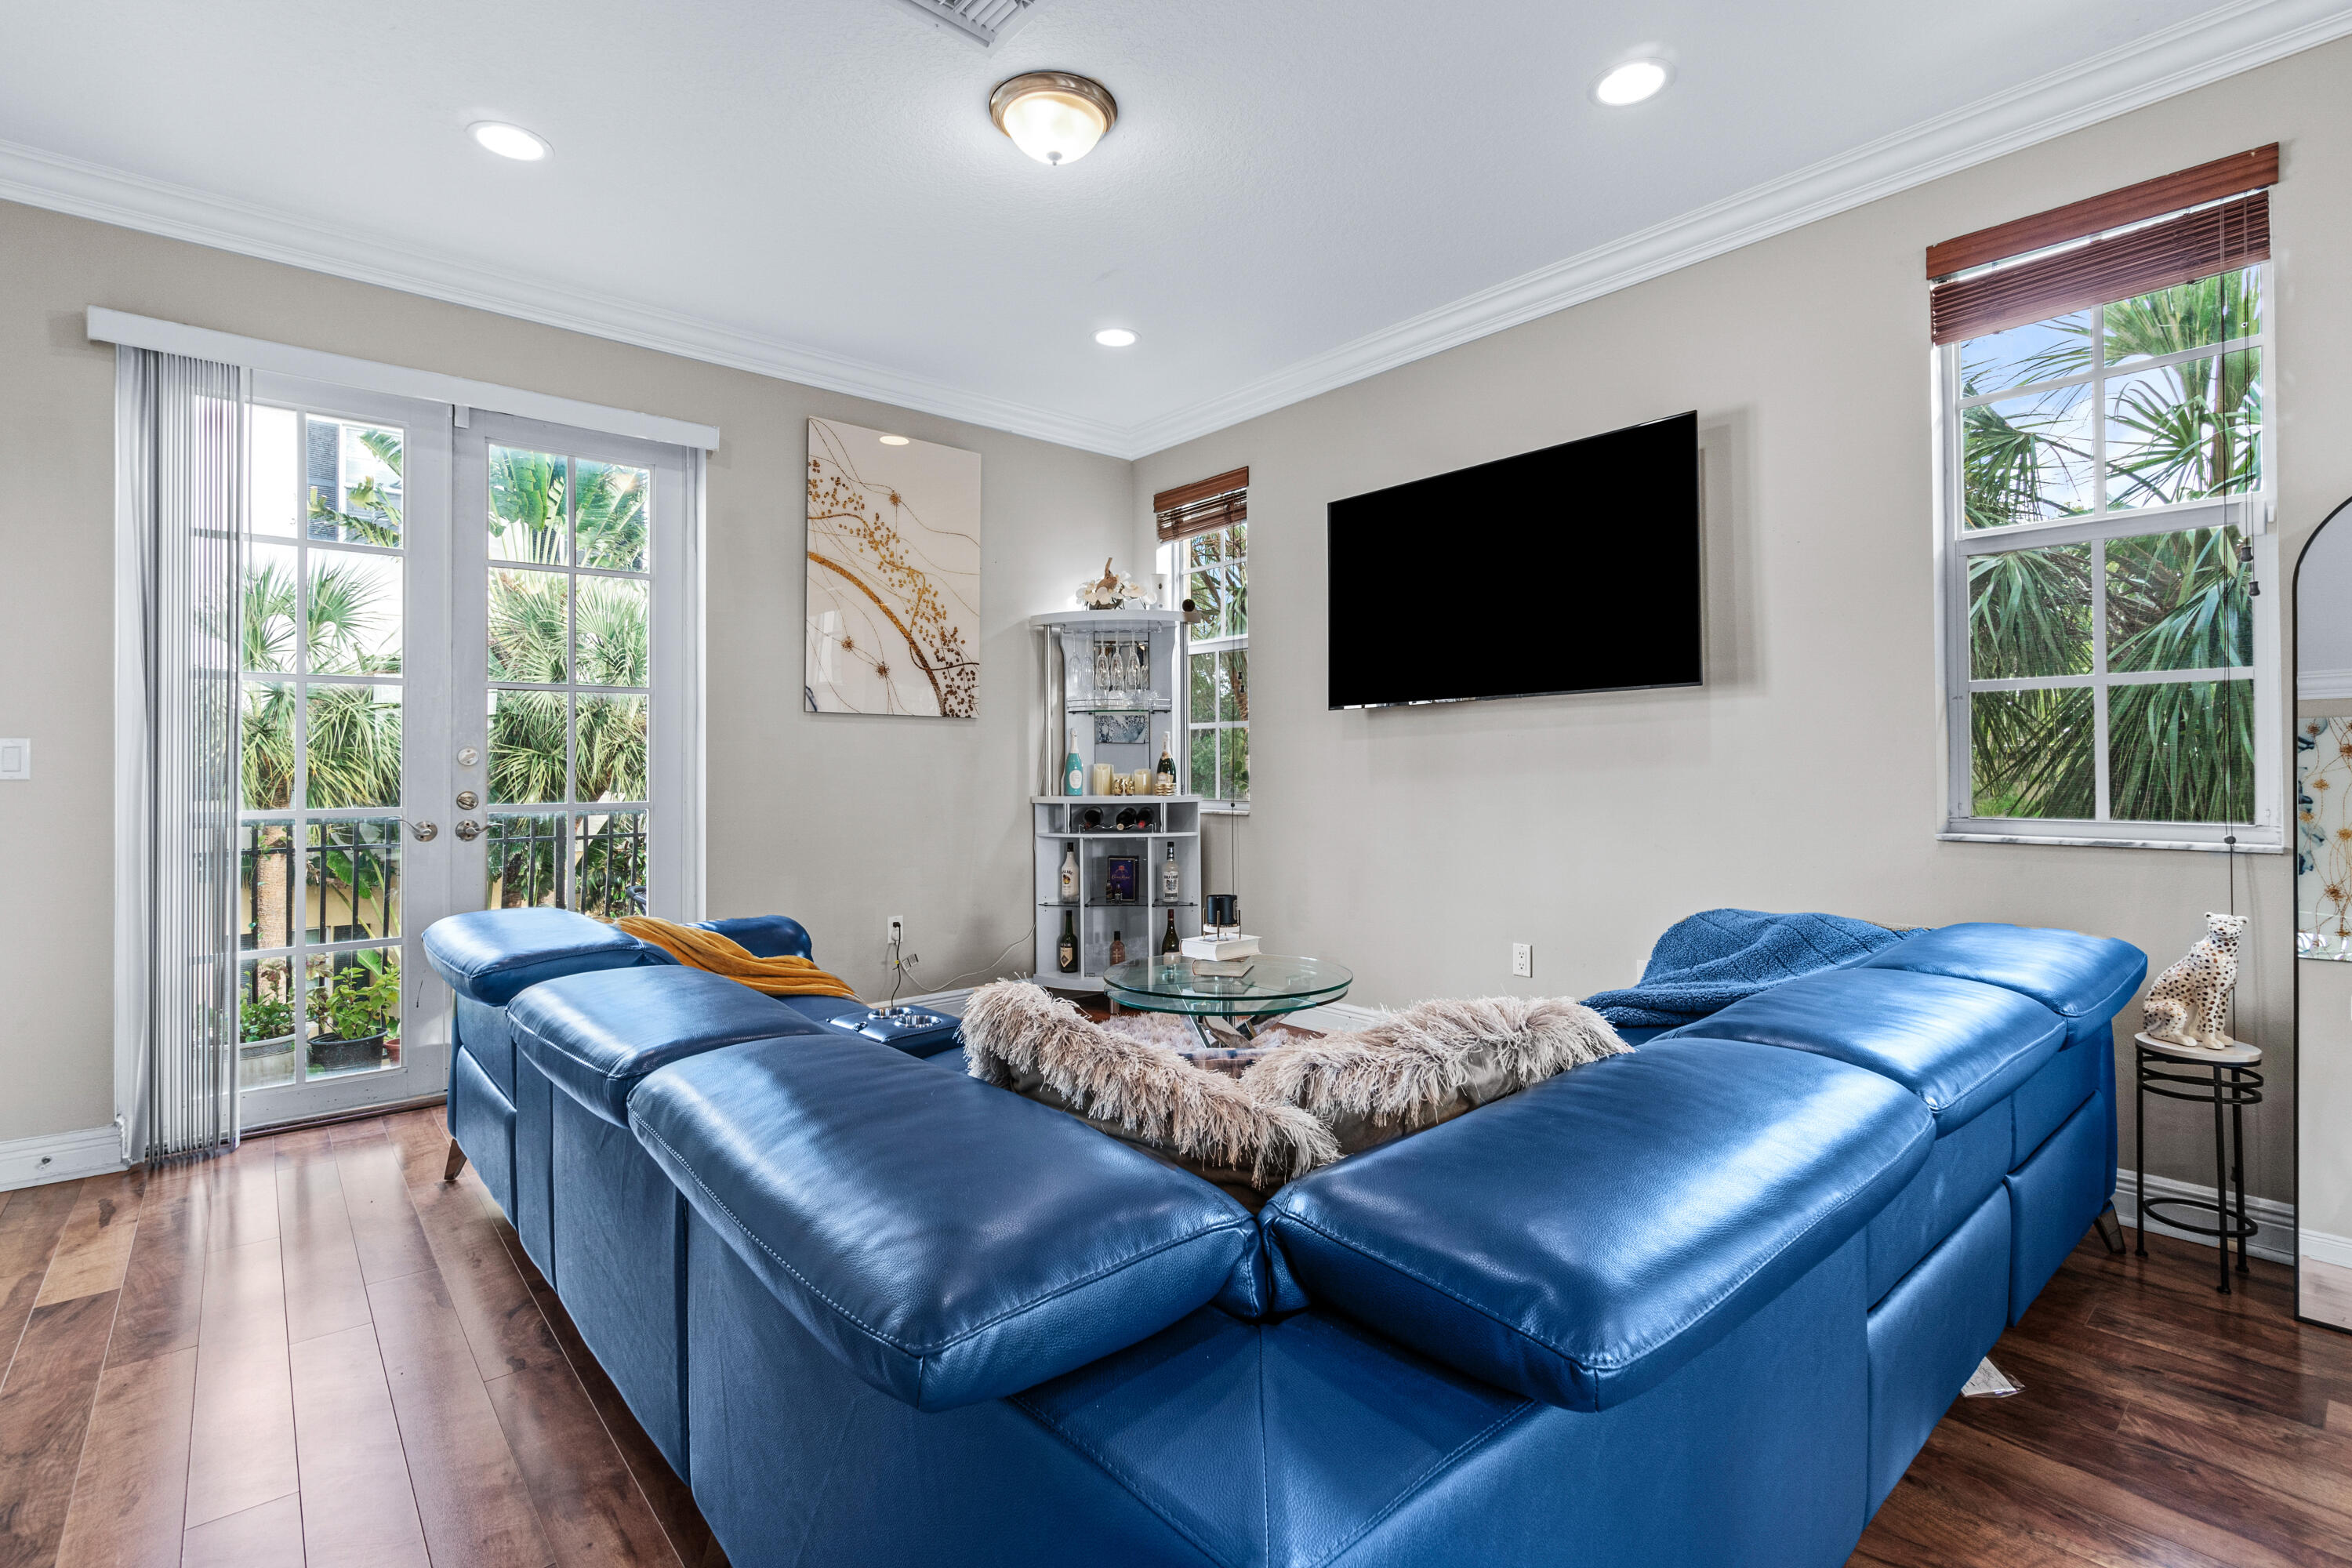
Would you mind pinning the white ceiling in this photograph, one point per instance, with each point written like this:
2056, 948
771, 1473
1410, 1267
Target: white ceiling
1296, 194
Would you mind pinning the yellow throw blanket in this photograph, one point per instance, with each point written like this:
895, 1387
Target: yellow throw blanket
699, 949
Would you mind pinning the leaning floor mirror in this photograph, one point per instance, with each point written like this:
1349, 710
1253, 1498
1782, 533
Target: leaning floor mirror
2323, 898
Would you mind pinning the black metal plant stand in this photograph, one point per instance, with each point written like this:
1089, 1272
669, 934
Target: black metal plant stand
2196, 1075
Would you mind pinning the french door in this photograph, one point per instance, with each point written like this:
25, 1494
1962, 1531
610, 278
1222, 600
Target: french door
343, 638
468, 672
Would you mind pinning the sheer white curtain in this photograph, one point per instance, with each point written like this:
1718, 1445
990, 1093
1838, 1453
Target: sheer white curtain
180, 450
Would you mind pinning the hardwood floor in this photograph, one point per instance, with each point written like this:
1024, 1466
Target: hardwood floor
313, 1352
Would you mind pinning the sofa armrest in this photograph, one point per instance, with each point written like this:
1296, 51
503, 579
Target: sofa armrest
765, 936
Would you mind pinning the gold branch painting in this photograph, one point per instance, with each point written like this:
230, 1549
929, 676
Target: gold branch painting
893, 574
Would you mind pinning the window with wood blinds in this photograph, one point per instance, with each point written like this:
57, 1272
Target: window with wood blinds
1204, 555
2104, 452
1203, 505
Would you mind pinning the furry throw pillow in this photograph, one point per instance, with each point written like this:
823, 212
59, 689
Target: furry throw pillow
1295, 1105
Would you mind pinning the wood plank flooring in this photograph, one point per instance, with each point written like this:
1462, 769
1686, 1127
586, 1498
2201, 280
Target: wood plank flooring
314, 1352
311, 1351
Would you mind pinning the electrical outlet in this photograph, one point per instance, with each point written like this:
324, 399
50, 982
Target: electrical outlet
897, 932
1523, 960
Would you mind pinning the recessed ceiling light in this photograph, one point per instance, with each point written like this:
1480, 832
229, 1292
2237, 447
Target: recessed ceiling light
1053, 116
894, 440
509, 141
1631, 83
1115, 337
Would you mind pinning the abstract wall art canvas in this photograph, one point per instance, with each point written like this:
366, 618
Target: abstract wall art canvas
893, 574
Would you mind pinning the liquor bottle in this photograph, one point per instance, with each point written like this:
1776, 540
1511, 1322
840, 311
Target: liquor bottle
1170, 944
1172, 880
1070, 874
1167, 784
1117, 949
1065, 951
1074, 769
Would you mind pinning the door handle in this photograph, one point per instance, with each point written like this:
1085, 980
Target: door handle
424, 832
468, 830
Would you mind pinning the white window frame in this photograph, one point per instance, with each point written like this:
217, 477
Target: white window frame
1171, 565
1956, 543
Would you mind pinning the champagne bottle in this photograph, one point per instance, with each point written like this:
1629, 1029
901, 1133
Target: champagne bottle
1167, 784
1172, 880
1074, 769
1170, 944
1070, 874
1065, 951
1118, 948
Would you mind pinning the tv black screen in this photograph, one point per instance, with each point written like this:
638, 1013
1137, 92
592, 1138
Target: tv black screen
1575, 568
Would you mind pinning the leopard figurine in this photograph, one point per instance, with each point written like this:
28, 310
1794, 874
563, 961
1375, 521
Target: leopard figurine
2190, 1003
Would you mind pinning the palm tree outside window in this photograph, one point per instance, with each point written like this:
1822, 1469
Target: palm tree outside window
2110, 661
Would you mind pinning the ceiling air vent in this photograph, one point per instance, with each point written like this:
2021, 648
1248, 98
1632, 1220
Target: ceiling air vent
981, 21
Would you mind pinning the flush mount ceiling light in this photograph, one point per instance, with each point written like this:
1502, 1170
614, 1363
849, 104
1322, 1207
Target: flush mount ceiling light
894, 440
1631, 83
1053, 116
509, 141
1115, 337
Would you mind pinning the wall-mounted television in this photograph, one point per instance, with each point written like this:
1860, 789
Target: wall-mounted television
1575, 568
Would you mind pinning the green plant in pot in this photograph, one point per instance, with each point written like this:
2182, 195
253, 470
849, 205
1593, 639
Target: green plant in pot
264, 1019
354, 1015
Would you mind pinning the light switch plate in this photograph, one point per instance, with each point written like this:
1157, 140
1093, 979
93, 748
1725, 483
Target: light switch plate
15, 759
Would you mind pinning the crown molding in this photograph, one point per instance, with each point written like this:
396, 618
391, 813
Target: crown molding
42, 179
2323, 685
2186, 56
2222, 43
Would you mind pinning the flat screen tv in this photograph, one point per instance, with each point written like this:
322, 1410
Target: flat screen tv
1575, 568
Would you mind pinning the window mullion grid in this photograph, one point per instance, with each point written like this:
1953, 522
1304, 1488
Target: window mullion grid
2101, 811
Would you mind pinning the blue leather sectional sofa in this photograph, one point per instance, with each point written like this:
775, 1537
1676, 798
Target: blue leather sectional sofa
1699, 1304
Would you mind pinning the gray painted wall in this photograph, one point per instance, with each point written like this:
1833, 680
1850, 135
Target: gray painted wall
1416, 844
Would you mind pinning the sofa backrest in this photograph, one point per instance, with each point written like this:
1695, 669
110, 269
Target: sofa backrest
947, 1241
1579, 1240
598, 1035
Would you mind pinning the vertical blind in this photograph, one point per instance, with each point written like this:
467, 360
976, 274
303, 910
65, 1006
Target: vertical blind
2154, 235
181, 439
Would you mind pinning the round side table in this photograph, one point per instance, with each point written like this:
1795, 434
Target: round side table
2161, 1064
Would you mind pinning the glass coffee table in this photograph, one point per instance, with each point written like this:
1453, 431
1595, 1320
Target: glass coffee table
1274, 986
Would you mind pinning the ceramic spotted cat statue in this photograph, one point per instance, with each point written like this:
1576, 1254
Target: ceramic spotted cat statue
2190, 1003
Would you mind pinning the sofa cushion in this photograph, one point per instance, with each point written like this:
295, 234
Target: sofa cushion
2073, 975
948, 1242
1959, 1046
1579, 1241
597, 1035
492, 955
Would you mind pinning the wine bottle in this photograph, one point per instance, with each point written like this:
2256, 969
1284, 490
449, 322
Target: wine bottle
1065, 951
1170, 944
1118, 948
1070, 874
1074, 770
1167, 762
1172, 880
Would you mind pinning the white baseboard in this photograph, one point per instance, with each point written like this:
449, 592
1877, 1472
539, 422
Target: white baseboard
2322, 1247
2276, 1240
59, 1157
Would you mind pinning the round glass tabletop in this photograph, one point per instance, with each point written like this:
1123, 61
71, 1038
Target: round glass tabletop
1270, 983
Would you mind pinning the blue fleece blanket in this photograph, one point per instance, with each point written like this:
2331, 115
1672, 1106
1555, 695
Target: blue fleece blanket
1706, 962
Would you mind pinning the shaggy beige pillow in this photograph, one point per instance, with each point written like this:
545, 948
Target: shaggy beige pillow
1298, 1105
1018, 1038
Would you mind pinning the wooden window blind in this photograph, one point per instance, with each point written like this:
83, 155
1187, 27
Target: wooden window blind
2227, 225
1203, 505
